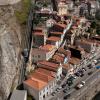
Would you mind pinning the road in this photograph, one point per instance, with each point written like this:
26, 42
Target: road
87, 78
89, 81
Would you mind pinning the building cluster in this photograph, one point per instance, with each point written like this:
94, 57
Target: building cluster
60, 46
89, 7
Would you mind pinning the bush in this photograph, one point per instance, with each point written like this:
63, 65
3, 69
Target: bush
22, 15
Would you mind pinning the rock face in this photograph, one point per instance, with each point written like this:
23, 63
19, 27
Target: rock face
7, 2
10, 40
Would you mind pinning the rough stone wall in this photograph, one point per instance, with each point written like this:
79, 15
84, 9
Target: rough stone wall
7, 2
10, 40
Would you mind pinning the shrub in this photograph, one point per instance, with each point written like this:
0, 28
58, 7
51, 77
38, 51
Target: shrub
22, 15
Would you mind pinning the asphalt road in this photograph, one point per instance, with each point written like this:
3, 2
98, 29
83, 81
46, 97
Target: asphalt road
87, 78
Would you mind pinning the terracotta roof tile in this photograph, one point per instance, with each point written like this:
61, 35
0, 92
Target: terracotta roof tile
65, 52
56, 33
60, 25
34, 83
46, 72
53, 38
58, 58
74, 61
47, 47
38, 33
50, 64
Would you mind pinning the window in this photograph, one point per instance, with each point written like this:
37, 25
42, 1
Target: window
47, 93
44, 90
40, 93
38, 56
44, 96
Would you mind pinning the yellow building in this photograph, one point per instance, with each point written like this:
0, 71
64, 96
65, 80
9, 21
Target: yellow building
62, 7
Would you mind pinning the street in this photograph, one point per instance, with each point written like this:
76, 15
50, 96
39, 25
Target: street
89, 79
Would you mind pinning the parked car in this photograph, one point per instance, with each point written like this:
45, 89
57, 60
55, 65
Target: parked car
80, 85
65, 91
63, 85
95, 61
73, 77
77, 74
57, 89
89, 73
81, 71
84, 69
83, 82
68, 95
53, 93
81, 75
98, 67
90, 66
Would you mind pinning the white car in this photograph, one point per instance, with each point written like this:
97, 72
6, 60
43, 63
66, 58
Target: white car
83, 82
80, 85
95, 61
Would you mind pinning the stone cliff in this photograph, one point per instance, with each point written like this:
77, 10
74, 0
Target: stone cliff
10, 50
7, 2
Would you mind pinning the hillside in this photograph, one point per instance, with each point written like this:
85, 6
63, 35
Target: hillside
12, 37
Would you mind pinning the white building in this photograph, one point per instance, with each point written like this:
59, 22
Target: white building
40, 84
43, 53
62, 8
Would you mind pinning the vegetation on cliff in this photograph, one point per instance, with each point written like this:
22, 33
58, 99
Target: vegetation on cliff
22, 14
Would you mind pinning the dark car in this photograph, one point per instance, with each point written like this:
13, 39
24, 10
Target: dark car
53, 93
77, 74
90, 66
63, 85
65, 91
81, 71
82, 75
97, 67
68, 95
89, 73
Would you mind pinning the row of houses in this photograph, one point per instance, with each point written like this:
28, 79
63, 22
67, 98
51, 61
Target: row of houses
51, 59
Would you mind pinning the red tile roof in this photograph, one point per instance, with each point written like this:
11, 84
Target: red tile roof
47, 63
47, 47
56, 33
38, 51
53, 38
58, 58
46, 72
35, 83
74, 61
60, 25
38, 80
65, 52
38, 33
